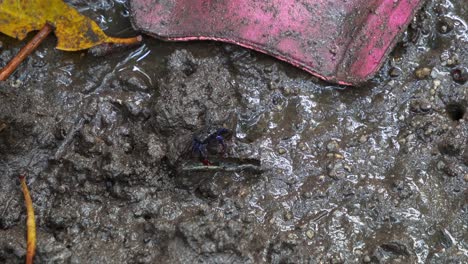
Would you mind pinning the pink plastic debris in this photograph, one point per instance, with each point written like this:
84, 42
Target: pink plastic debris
339, 41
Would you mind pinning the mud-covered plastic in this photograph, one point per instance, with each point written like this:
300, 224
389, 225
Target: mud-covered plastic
344, 42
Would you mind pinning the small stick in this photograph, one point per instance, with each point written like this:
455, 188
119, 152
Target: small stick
25, 51
125, 41
238, 168
30, 222
117, 44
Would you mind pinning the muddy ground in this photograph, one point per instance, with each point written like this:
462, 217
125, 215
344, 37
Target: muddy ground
377, 173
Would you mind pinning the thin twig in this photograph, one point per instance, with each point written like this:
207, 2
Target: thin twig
238, 168
25, 51
2, 126
68, 139
126, 41
7, 205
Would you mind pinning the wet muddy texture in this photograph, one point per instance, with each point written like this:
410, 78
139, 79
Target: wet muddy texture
373, 174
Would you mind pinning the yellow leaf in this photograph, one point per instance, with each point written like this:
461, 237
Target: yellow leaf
73, 30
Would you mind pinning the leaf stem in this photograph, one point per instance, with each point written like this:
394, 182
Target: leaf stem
25, 51
30, 222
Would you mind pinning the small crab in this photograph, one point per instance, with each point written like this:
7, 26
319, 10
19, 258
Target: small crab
212, 145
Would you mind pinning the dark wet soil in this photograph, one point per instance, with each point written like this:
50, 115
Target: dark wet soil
373, 174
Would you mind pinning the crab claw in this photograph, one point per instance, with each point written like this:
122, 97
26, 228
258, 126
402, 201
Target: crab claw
206, 162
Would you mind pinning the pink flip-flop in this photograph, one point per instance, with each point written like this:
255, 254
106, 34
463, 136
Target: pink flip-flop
339, 41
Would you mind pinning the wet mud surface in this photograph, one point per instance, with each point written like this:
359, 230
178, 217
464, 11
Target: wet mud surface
371, 174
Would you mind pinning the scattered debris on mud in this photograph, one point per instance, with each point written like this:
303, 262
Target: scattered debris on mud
374, 174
